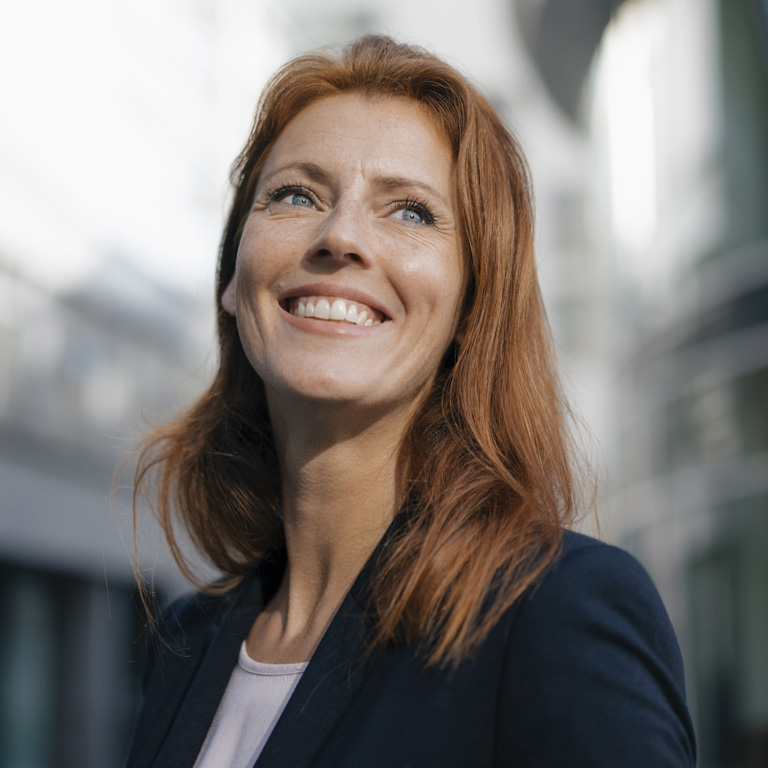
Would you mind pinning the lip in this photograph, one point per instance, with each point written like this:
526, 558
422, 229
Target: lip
337, 291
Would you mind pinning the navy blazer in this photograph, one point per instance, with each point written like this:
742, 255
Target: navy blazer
583, 671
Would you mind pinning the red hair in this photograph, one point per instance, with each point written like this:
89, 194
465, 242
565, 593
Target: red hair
486, 465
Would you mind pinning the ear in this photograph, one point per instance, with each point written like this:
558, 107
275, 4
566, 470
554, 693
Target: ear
228, 302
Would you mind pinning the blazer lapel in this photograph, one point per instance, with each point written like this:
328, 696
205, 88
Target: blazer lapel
190, 686
332, 679
163, 697
325, 692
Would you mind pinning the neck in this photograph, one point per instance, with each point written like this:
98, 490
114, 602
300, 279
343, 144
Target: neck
340, 493
337, 503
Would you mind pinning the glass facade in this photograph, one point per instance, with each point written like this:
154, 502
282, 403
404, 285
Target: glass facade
655, 263
689, 477
119, 124
71, 668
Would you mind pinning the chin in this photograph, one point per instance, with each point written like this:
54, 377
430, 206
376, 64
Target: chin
322, 389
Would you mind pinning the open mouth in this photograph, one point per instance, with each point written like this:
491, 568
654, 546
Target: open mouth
334, 309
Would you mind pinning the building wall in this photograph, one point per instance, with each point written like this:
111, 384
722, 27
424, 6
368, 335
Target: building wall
678, 101
119, 122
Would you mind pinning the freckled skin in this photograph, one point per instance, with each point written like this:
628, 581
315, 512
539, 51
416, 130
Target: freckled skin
356, 197
353, 233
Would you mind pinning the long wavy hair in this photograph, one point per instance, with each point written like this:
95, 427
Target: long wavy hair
486, 465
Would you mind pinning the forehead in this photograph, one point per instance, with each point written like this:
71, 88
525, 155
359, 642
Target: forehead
371, 134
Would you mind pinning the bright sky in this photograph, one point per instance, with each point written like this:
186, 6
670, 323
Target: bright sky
119, 122
120, 119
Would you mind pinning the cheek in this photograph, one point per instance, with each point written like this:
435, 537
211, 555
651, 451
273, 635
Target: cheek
436, 282
261, 255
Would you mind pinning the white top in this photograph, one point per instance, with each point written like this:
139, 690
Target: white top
253, 701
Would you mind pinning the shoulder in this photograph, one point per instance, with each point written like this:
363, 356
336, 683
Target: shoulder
597, 594
593, 671
181, 631
192, 613
178, 644
186, 619
593, 576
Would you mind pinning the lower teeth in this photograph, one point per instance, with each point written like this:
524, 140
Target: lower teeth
367, 324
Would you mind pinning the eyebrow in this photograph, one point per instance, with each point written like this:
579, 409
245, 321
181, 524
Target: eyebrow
392, 183
314, 171
387, 183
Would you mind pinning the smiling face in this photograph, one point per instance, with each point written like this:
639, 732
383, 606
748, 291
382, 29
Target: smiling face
350, 271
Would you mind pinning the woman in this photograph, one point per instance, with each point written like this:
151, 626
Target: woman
381, 469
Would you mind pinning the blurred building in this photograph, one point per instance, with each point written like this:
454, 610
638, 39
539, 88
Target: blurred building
74, 364
118, 124
673, 100
645, 123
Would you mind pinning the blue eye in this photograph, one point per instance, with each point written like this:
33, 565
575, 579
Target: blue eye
412, 216
414, 212
291, 194
299, 198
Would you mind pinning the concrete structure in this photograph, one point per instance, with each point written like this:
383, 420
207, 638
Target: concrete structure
644, 122
119, 122
674, 102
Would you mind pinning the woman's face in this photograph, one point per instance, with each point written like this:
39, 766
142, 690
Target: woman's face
350, 271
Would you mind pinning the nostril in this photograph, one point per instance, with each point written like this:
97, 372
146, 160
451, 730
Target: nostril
326, 253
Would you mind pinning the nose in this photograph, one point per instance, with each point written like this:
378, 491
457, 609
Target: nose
343, 239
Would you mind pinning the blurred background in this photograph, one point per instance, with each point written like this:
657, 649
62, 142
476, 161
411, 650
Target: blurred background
646, 125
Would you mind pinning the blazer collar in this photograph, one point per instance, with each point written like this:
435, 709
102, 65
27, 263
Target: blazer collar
333, 677
326, 690
187, 684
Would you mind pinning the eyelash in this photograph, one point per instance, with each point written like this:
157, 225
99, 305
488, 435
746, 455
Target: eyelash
275, 194
420, 206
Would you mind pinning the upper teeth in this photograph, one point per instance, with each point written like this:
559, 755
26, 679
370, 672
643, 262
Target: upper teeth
330, 308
